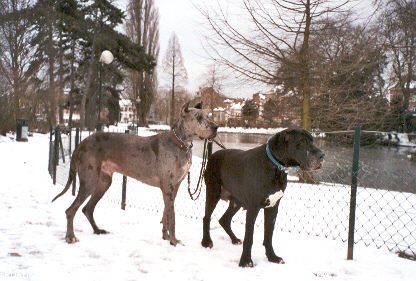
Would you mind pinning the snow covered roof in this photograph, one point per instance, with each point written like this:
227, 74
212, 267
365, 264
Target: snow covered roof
219, 109
236, 106
124, 102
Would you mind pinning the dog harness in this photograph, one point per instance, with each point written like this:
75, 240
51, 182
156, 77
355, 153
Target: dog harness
276, 162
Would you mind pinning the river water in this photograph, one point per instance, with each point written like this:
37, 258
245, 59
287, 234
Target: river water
381, 167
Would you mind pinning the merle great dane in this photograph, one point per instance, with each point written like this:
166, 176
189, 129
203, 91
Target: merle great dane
256, 179
161, 160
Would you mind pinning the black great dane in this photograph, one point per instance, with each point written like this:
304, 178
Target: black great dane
256, 179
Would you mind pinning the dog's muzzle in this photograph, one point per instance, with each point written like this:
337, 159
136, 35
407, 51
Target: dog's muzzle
214, 131
318, 161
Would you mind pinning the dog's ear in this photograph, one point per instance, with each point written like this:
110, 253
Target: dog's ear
198, 105
185, 108
283, 137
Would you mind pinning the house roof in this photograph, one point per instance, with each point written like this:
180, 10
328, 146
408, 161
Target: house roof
236, 106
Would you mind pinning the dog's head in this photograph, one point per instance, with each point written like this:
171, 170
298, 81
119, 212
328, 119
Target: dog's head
198, 121
294, 147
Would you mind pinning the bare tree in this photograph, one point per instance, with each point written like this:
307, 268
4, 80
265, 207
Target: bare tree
214, 79
143, 27
16, 55
162, 104
174, 67
277, 34
346, 59
398, 26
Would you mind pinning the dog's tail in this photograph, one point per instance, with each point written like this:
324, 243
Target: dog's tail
71, 177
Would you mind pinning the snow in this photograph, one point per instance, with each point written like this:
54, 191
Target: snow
236, 106
400, 139
219, 109
32, 230
147, 131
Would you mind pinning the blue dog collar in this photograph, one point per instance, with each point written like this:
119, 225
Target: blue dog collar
276, 162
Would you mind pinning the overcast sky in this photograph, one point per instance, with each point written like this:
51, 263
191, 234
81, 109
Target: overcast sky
181, 17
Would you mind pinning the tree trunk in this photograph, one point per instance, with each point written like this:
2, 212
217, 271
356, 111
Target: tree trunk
61, 81
305, 75
90, 74
51, 59
143, 119
172, 102
71, 91
52, 95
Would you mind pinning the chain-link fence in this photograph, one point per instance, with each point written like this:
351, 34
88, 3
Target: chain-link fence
385, 213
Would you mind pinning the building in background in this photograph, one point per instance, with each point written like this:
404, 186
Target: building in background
127, 112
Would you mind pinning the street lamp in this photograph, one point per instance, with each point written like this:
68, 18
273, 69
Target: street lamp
105, 58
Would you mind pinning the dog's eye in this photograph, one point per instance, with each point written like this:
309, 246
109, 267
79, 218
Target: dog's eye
199, 118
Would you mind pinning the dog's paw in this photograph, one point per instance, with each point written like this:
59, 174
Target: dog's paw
100, 231
276, 259
207, 243
175, 242
236, 241
71, 239
246, 262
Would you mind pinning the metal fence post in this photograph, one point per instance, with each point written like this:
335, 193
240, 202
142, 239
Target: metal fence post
353, 198
55, 154
77, 138
209, 147
51, 152
123, 193
124, 188
61, 147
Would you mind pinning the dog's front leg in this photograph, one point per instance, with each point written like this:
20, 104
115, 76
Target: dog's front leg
251, 216
169, 214
269, 223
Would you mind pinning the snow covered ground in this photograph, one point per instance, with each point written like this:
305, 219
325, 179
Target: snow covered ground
32, 230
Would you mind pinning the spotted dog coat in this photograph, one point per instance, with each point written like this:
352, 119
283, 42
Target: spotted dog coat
161, 160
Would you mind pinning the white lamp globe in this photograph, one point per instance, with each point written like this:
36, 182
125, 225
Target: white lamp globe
106, 57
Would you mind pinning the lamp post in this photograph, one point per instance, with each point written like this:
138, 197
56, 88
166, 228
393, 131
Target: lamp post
105, 58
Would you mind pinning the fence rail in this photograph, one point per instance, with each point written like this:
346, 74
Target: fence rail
385, 214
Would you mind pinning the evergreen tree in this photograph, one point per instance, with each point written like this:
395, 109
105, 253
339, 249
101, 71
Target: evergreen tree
250, 112
270, 110
101, 19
